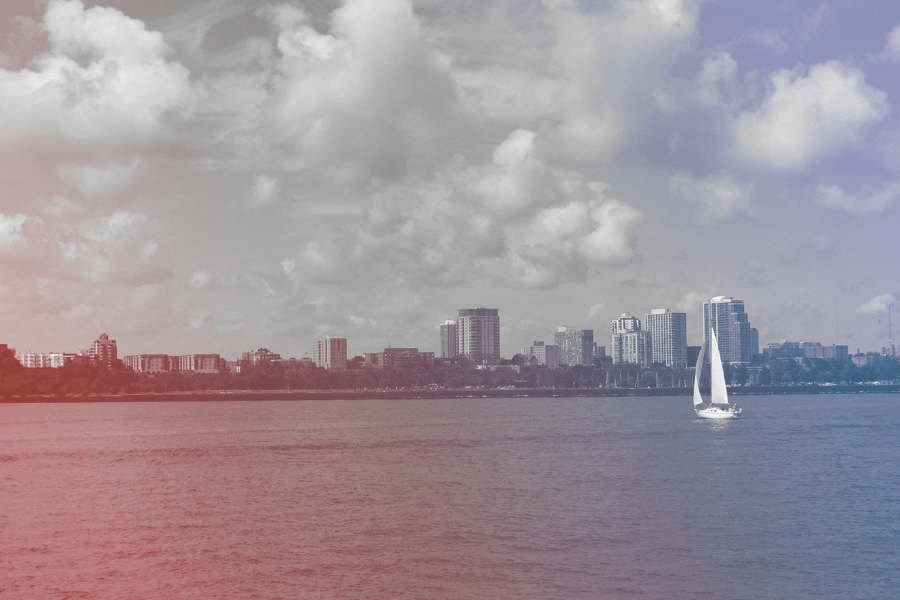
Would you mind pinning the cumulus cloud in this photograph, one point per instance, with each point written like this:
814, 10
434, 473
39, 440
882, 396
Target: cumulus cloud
517, 220
105, 79
264, 191
580, 77
10, 228
720, 196
92, 180
868, 201
120, 248
891, 50
807, 117
878, 304
200, 279
366, 100
692, 302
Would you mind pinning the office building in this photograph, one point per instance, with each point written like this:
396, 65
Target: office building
668, 337
732, 326
330, 353
478, 335
448, 339
576, 346
630, 344
542, 354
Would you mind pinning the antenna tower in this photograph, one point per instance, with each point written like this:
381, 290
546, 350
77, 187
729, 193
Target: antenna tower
890, 333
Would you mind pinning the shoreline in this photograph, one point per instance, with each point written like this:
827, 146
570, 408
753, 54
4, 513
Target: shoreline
444, 394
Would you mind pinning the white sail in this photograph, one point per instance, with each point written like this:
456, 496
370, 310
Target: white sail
717, 373
698, 400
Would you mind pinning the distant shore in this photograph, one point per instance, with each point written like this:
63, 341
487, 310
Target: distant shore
449, 394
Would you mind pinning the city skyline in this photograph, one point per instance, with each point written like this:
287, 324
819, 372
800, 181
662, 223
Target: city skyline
220, 175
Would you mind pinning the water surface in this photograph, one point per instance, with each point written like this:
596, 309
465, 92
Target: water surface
576, 498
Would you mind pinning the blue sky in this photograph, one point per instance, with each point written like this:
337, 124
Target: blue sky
221, 176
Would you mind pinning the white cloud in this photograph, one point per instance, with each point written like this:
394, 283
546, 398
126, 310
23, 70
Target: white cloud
122, 224
92, 180
868, 201
720, 196
596, 310
200, 279
878, 304
264, 191
106, 78
807, 117
366, 100
10, 228
891, 50
516, 220
120, 248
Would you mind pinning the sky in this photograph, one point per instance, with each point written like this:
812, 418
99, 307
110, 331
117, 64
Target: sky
219, 176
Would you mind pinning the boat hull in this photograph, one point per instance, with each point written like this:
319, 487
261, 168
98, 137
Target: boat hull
718, 413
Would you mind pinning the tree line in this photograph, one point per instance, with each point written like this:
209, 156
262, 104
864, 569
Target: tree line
83, 378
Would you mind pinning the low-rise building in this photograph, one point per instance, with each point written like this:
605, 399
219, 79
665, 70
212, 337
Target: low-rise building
542, 354
398, 357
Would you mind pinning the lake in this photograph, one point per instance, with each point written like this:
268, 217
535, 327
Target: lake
568, 498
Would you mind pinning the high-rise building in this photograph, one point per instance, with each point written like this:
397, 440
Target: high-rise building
576, 346
668, 337
630, 344
330, 353
478, 335
732, 326
103, 352
448, 339
754, 341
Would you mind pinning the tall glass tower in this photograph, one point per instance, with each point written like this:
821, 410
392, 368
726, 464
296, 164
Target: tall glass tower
732, 326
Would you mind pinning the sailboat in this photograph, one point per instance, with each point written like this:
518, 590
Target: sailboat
718, 407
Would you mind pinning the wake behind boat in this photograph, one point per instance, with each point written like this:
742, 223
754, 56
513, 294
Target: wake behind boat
718, 407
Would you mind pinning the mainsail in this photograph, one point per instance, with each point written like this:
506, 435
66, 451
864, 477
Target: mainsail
717, 373
698, 400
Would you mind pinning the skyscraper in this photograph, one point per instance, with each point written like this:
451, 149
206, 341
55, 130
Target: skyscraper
732, 327
478, 335
630, 344
330, 353
668, 337
448, 339
576, 346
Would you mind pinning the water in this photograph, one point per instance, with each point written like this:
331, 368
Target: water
523, 498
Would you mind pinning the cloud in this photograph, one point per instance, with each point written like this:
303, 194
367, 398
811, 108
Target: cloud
367, 100
105, 79
200, 279
878, 304
93, 180
120, 248
596, 310
515, 220
807, 117
868, 201
10, 228
264, 191
720, 196
891, 50
692, 302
